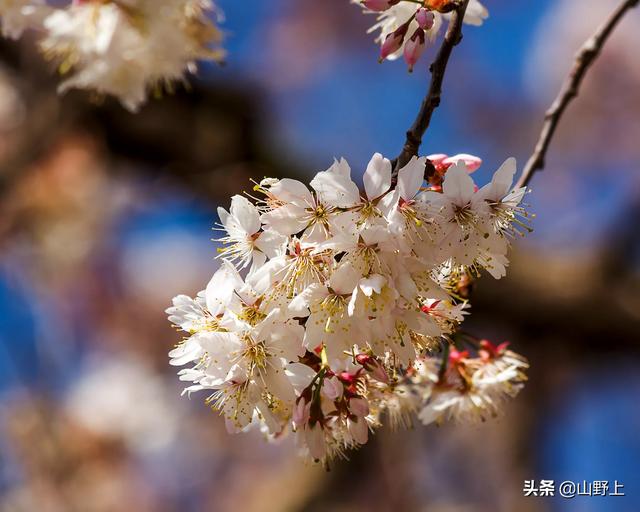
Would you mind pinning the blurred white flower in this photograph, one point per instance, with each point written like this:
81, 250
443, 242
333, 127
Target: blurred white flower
124, 48
19, 15
122, 398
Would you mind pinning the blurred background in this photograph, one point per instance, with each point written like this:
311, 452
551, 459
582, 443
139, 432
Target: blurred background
105, 215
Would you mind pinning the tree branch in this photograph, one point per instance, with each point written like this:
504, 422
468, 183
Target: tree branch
432, 99
583, 61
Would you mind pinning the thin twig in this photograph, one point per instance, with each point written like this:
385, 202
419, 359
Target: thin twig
432, 99
583, 61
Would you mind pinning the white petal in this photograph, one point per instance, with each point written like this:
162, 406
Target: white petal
271, 243
220, 289
310, 295
277, 382
286, 220
344, 279
411, 177
224, 216
371, 284
246, 214
335, 187
185, 353
261, 279
300, 375
314, 436
377, 177
501, 181
292, 191
458, 185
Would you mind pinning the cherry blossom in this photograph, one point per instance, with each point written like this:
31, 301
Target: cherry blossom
346, 298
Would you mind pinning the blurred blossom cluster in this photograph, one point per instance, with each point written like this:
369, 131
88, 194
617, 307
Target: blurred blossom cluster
120, 47
346, 296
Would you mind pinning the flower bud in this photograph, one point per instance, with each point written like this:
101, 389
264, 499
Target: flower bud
393, 42
379, 5
472, 162
437, 160
414, 47
425, 19
373, 366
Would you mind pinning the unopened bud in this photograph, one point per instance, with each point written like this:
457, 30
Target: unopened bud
373, 366
394, 41
414, 47
472, 162
425, 19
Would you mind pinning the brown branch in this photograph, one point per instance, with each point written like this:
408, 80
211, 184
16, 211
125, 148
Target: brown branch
432, 99
570, 89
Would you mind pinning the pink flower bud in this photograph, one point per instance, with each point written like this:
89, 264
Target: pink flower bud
359, 407
379, 5
414, 47
472, 162
437, 160
373, 366
425, 19
393, 42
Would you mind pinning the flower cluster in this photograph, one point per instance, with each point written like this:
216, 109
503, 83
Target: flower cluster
119, 47
330, 302
408, 26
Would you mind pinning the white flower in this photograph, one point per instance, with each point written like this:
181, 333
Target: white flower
503, 201
326, 307
188, 314
102, 400
247, 242
316, 214
462, 214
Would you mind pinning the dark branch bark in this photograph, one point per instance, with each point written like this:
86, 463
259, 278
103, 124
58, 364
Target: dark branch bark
434, 93
570, 89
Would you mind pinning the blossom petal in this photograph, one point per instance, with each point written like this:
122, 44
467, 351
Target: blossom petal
411, 177
458, 185
377, 177
335, 187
